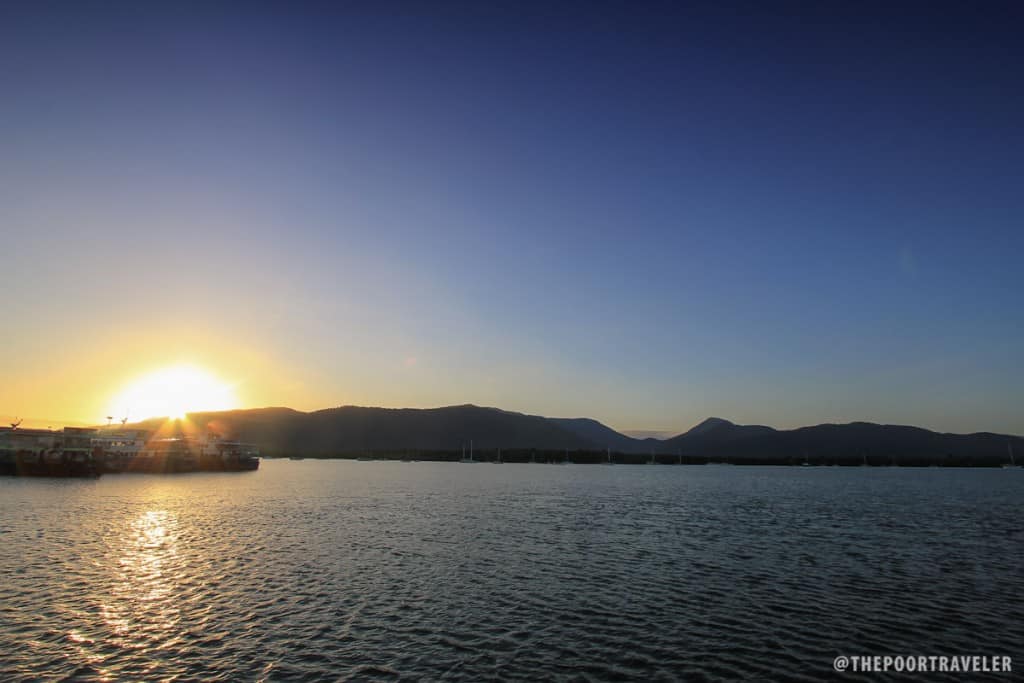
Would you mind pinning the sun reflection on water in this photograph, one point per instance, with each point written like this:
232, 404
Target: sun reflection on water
141, 609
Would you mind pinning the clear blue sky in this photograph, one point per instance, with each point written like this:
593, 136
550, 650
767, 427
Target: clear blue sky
782, 213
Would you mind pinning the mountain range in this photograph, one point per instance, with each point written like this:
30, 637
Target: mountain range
350, 431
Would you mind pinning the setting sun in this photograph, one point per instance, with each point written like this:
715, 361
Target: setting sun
172, 392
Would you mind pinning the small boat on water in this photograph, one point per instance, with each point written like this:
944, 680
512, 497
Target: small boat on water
1012, 465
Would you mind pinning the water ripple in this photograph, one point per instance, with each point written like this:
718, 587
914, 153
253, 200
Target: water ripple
337, 571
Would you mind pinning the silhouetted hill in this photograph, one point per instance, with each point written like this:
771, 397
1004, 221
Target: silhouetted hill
603, 436
709, 425
853, 443
352, 430
715, 430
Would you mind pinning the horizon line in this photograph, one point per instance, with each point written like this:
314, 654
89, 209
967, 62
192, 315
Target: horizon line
5, 418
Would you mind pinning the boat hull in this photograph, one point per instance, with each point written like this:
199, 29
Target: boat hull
51, 464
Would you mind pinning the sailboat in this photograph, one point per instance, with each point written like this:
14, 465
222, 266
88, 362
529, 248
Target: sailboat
470, 458
1013, 463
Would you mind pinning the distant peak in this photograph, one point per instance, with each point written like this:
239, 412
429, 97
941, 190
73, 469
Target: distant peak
709, 424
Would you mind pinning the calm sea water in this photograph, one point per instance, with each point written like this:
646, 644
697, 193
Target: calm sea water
312, 571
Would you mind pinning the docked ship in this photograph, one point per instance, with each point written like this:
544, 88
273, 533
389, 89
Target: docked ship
86, 452
222, 455
142, 453
117, 451
138, 451
68, 452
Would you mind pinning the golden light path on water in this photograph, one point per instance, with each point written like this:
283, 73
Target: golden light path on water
142, 598
139, 606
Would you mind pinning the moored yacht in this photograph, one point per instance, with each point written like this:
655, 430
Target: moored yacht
470, 458
1012, 465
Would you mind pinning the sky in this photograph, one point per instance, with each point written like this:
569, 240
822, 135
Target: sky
645, 213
